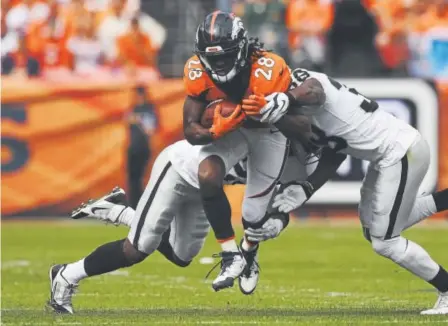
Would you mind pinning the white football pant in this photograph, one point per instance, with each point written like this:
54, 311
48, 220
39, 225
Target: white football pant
169, 200
388, 195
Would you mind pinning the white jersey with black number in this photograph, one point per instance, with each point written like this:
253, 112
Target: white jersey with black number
185, 160
351, 123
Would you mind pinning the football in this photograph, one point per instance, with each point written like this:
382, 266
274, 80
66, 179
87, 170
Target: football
227, 109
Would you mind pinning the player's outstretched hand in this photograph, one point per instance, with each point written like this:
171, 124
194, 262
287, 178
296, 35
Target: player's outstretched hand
271, 229
293, 196
223, 125
276, 108
254, 103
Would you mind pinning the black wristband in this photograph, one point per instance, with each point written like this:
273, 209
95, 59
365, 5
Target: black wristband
283, 217
308, 188
292, 99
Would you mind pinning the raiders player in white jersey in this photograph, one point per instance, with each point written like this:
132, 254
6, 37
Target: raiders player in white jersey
347, 121
169, 218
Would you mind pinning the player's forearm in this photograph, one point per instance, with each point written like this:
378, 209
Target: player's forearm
295, 127
310, 92
326, 168
195, 134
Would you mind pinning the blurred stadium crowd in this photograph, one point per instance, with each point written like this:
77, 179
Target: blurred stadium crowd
342, 37
354, 37
82, 36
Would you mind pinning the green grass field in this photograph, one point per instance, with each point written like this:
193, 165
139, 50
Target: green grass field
312, 275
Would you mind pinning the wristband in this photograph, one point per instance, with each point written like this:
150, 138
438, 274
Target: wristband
308, 188
292, 100
284, 218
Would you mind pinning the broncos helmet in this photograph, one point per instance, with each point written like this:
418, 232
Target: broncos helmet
222, 46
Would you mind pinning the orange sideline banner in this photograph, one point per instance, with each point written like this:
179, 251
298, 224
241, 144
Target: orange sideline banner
63, 143
443, 132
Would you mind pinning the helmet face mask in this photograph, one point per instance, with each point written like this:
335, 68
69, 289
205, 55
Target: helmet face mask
221, 64
222, 46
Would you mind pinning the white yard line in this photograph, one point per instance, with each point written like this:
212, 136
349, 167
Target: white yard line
9, 264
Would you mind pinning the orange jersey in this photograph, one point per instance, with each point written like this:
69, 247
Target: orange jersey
269, 74
136, 51
310, 14
47, 44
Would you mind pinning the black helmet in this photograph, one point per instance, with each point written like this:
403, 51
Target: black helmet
222, 46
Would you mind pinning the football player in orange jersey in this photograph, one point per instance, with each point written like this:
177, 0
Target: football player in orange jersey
228, 65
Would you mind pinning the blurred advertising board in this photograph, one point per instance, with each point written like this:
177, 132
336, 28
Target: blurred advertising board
65, 142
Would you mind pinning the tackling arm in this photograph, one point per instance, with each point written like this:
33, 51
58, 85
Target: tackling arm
295, 127
295, 194
310, 92
194, 132
328, 164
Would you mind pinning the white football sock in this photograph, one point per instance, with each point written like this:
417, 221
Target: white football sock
121, 214
424, 207
126, 217
408, 255
75, 272
229, 245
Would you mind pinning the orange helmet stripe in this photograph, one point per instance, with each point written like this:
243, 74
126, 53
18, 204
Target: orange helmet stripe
215, 14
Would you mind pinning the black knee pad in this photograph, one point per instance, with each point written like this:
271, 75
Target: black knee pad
167, 251
179, 262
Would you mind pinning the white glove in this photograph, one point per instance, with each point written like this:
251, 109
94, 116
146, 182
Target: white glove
275, 109
292, 197
270, 229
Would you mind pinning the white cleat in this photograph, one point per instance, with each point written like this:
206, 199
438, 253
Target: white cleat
100, 208
61, 291
249, 279
232, 266
441, 306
